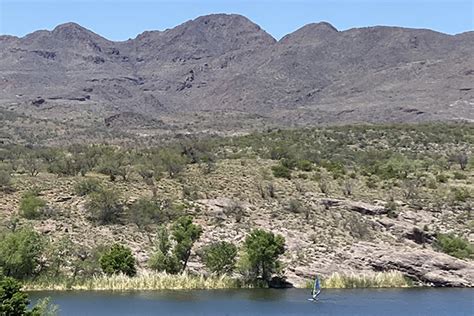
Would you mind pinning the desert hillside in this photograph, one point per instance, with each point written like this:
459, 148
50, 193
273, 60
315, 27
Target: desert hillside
346, 199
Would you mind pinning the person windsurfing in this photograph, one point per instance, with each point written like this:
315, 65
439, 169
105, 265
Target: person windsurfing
316, 289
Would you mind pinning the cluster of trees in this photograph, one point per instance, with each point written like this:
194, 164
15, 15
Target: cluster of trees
26, 254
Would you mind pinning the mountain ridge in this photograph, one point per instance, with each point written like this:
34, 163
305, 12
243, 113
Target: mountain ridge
227, 64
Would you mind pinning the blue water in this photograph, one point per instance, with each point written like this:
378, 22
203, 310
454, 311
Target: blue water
266, 302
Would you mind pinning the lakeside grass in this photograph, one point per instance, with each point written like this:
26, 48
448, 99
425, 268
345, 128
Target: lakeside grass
145, 281
164, 281
387, 279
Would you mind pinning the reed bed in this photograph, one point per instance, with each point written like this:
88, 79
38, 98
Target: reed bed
366, 280
145, 281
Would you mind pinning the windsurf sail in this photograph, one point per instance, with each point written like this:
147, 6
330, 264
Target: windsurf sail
316, 288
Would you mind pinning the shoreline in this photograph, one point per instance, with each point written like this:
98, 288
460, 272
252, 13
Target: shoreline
163, 281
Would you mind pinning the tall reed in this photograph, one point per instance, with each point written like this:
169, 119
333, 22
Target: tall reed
145, 281
364, 280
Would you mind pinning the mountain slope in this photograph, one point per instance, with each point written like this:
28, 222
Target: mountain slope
227, 66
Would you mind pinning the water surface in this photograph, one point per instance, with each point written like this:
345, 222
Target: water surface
265, 302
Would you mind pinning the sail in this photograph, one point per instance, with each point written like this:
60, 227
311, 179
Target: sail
316, 288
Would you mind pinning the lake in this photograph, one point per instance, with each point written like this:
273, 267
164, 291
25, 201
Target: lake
265, 302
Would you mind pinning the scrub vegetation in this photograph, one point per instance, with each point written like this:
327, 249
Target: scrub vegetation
233, 211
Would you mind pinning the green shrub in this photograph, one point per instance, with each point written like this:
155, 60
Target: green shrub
13, 301
87, 186
372, 182
220, 257
280, 171
30, 205
20, 253
442, 178
461, 194
295, 206
118, 259
454, 246
391, 207
104, 206
5, 181
304, 165
459, 176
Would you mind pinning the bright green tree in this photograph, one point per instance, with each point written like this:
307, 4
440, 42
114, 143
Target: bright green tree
20, 252
163, 259
13, 301
262, 250
118, 259
220, 257
185, 234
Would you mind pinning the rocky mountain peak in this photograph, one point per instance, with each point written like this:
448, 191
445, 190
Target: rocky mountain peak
311, 33
73, 31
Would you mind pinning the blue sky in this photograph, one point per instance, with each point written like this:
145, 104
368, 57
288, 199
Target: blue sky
123, 19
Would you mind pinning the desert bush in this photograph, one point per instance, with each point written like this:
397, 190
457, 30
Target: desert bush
460, 158
104, 206
454, 246
442, 178
20, 252
87, 186
144, 212
324, 186
347, 188
115, 164
461, 194
220, 257
118, 259
5, 181
32, 165
64, 165
236, 209
459, 176
266, 190
304, 165
172, 161
295, 206
391, 207
280, 171
30, 205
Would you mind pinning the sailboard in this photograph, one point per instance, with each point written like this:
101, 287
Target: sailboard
316, 290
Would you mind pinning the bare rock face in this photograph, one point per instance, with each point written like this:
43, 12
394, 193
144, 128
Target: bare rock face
367, 209
426, 266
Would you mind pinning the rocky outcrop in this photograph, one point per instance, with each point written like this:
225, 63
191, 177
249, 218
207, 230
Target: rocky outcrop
426, 266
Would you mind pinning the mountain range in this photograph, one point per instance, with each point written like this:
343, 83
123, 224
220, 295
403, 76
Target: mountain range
223, 74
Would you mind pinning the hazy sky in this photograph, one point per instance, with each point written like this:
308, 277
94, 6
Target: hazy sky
120, 19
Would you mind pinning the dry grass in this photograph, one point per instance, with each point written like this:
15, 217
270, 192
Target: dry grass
145, 281
365, 280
